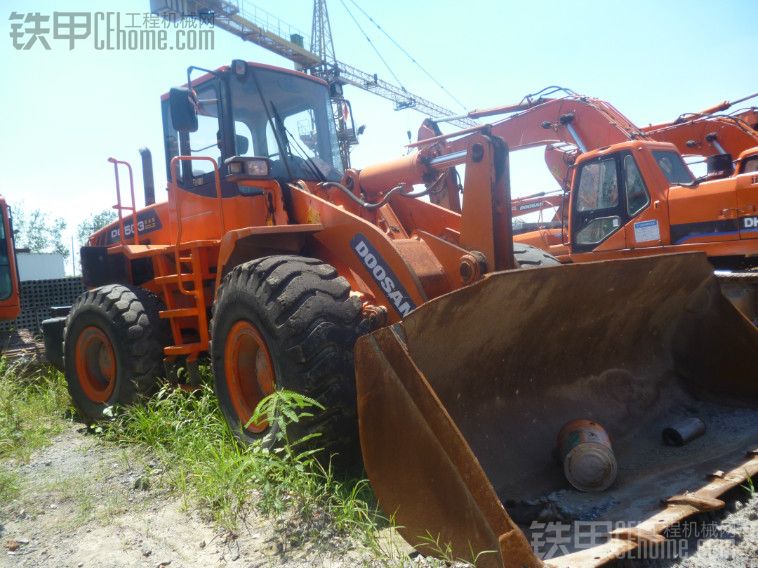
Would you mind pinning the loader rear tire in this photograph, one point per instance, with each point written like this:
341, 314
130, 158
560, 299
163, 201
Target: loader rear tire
528, 256
288, 322
113, 347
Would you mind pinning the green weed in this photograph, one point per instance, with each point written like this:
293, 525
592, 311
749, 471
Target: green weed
32, 408
210, 468
749, 486
10, 485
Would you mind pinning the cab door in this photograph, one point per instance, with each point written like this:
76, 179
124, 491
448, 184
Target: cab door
597, 208
646, 218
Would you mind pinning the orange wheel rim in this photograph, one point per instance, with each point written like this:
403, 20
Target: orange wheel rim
95, 364
249, 371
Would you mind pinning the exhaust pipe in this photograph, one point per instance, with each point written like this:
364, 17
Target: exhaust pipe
147, 175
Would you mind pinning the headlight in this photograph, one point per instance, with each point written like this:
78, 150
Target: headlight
239, 167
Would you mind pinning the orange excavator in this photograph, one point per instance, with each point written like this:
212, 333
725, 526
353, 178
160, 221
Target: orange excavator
716, 136
417, 327
637, 196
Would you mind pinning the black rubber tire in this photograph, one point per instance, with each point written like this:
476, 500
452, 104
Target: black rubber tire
309, 321
528, 256
129, 317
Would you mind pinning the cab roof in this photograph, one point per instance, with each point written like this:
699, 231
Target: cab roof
205, 77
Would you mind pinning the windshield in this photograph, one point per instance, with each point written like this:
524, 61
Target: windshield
673, 167
295, 129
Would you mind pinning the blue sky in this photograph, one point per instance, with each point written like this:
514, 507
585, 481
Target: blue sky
66, 111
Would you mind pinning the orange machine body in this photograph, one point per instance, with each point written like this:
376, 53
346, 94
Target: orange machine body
10, 304
395, 257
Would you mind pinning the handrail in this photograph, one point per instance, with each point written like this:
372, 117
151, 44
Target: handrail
119, 206
219, 203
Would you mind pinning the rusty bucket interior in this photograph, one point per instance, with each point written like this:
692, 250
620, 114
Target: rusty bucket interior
460, 406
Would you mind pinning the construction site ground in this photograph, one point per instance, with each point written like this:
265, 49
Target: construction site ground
84, 502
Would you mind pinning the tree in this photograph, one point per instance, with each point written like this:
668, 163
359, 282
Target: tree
37, 232
94, 223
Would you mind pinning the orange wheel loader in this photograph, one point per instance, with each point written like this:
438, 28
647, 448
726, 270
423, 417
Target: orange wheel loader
415, 326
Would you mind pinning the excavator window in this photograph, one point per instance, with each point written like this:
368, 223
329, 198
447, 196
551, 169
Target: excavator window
751, 165
598, 186
637, 196
597, 230
673, 167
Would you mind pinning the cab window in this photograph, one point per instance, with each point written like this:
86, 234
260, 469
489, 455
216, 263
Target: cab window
637, 197
597, 229
598, 186
751, 165
6, 282
206, 141
673, 167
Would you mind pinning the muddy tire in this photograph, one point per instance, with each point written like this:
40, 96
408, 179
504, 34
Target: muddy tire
528, 256
287, 322
113, 347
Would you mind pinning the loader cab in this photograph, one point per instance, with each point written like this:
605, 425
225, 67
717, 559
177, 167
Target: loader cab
257, 122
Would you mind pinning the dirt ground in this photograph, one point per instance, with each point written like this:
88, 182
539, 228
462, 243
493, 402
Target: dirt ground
87, 504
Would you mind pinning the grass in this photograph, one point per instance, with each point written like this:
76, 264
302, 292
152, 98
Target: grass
749, 486
10, 485
205, 464
188, 440
33, 403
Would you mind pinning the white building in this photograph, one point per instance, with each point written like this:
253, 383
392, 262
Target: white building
40, 265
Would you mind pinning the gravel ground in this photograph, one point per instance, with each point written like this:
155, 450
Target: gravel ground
87, 504
84, 503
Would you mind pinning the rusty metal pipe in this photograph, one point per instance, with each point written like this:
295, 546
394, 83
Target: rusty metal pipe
683, 431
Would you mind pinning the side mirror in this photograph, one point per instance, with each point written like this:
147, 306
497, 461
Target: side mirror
242, 144
183, 114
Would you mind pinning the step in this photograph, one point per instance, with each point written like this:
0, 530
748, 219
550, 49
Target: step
185, 259
174, 278
178, 313
186, 349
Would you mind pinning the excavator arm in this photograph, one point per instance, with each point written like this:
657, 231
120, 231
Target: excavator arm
707, 136
564, 126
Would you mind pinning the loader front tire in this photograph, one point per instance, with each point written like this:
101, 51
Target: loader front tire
112, 347
528, 256
287, 322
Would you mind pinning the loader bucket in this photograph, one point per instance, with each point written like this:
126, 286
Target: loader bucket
461, 403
